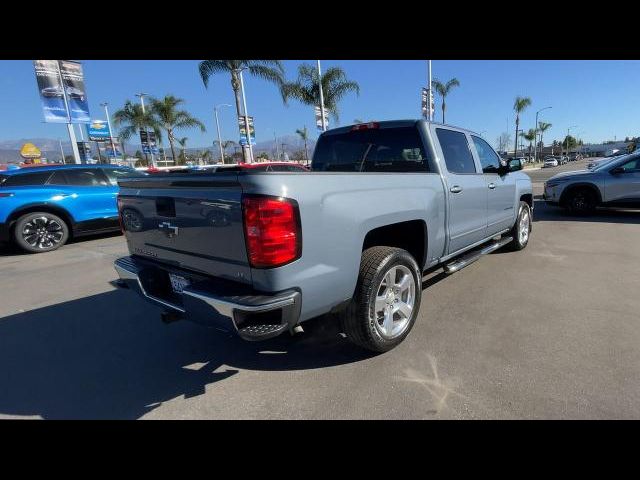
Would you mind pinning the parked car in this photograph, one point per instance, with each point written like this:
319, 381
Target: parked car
258, 255
550, 162
615, 183
41, 208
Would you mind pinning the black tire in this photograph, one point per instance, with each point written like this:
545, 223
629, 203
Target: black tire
358, 320
50, 232
519, 242
581, 201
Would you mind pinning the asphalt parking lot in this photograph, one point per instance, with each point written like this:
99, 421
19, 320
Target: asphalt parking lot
549, 332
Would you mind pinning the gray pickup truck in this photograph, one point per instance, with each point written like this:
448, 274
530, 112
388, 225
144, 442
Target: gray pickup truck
259, 253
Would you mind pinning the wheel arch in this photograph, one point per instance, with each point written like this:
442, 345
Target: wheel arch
410, 235
575, 186
41, 207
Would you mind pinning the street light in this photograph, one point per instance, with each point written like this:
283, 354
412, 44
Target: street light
535, 137
106, 112
142, 95
246, 116
215, 110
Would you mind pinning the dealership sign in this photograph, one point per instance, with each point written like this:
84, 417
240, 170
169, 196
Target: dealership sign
98, 131
62, 91
243, 130
30, 151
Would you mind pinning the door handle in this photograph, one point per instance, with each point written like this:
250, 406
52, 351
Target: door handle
455, 189
492, 186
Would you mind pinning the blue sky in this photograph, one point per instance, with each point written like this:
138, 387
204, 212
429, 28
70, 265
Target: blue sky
600, 97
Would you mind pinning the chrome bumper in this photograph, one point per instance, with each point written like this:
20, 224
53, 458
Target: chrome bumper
252, 315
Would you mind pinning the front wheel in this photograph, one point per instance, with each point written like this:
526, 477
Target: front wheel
40, 232
522, 228
386, 302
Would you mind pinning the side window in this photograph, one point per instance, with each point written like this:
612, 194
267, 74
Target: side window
488, 158
58, 178
632, 166
457, 154
86, 178
27, 179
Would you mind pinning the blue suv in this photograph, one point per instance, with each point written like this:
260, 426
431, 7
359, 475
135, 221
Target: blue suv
42, 207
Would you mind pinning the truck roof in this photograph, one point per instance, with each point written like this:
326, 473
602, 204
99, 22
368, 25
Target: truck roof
396, 124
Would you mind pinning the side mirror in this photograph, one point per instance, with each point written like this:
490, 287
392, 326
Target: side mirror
513, 165
617, 171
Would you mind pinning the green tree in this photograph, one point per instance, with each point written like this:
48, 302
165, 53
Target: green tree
263, 156
304, 135
131, 119
306, 89
543, 127
569, 143
170, 118
183, 147
270, 70
519, 105
444, 89
529, 136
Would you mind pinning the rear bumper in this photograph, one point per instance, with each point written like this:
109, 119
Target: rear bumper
220, 304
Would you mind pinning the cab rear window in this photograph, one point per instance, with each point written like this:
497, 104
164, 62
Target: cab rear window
373, 150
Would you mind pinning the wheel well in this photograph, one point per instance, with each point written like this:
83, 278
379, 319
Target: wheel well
527, 197
63, 214
410, 236
573, 188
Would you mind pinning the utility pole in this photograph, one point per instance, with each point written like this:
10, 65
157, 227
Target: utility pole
246, 118
215, 110
142, 95
535, 137
324, 125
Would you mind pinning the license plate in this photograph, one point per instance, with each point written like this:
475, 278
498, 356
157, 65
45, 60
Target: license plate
178, 283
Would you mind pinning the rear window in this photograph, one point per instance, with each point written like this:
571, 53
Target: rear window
374, 150
26, 179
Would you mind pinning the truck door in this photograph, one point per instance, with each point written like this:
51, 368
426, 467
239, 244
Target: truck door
466, 190
501, 189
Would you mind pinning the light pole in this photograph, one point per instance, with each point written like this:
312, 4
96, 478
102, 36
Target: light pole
275, 139
324, 126
215, 110
106, 112
535, 137
61, 150
568, 129
246, 117
142, 95
429, 95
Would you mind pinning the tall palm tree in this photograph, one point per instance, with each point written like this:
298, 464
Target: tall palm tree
131, 119
270, 70
304, 135
444, 89
306, 89
169, 118
529, 136
226, 144
519, 106
543, 127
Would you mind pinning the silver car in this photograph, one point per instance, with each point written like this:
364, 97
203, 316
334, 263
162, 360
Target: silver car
609, 184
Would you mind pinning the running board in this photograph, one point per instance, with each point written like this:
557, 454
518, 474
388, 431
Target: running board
472, 256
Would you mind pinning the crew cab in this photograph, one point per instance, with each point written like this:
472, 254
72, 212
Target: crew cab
42, 207
610, 183
260, 253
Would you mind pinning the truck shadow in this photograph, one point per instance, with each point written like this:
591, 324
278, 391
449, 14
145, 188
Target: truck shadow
109, 356
549, 213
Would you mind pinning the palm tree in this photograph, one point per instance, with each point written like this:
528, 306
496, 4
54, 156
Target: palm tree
183, 147
543, 127
444, 89
170, 118
131, 119
519, 105
270, 70
205, 155
225, 145
530, 136
306, 89
304, 135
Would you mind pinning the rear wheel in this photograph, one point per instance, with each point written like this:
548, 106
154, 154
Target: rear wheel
386, 301
581, 201
40, 232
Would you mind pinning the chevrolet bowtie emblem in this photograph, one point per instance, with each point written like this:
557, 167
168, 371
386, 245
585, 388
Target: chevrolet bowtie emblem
169, 229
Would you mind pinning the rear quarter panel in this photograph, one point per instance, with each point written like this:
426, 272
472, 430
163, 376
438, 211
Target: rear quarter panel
337, 210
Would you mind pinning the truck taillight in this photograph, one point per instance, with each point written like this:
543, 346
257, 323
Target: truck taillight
365, 126
272, 230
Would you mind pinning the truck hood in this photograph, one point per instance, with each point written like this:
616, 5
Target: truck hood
568, 175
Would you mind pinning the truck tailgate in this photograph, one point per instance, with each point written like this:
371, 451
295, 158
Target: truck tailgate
188, 221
